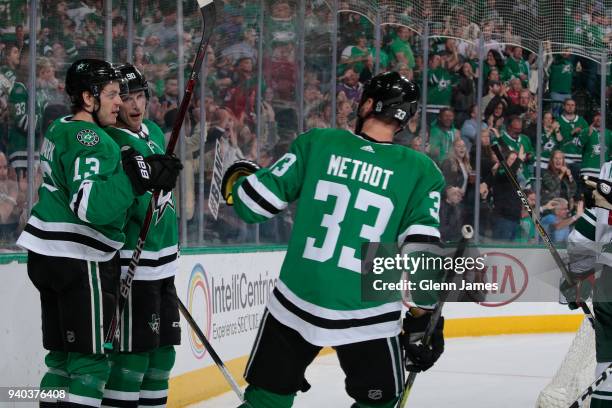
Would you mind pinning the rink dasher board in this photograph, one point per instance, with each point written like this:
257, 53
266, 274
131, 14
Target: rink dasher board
226, 291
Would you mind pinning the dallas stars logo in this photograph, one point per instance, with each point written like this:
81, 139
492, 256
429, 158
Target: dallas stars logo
153, 146
88, 137
549, 145
81, 67
596, 150
164, 202
154, 324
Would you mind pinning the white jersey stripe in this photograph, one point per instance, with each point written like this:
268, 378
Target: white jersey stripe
87, 401
67, 249
76, 228
252, 205
332, 337
263, 191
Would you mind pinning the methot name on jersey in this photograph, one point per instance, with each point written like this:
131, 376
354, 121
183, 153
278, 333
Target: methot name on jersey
359, 170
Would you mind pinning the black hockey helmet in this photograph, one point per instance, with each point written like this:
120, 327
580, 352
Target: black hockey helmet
394, 97
91, 75
136, 81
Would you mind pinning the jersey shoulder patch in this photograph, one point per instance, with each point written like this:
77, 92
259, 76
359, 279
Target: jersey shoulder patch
87, 137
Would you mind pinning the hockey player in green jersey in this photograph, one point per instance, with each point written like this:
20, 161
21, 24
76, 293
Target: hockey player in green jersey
353, 188
141, 369
589, 250
76, 229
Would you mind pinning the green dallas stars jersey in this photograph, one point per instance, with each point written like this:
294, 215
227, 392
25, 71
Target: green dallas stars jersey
549, 144
515, 145
84, 196
592, 150
160, 253
572, 144
351, 191
17, 146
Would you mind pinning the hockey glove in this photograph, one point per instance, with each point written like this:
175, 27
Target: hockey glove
579, 291
421, 357
601, 195
156, 172
233, 173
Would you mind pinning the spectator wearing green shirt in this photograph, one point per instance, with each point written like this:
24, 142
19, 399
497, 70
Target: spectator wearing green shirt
526, 230
440, 85
571, 126
400, 47
516, 141
560, 80
551, 137
358, 56
8, 70
516, 67
442, 135
591, 150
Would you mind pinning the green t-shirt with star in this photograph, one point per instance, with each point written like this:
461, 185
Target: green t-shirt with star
561, 75
440, 88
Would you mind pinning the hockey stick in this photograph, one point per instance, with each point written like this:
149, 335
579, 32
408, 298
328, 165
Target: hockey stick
208, 10
607, 372
213, 354
467, 233
538, 226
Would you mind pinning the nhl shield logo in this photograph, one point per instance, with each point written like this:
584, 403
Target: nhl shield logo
379, 106
88, 137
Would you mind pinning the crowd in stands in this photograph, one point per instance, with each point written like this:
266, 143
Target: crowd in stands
261, 125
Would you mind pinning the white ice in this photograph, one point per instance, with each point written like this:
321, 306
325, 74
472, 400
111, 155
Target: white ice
474, 372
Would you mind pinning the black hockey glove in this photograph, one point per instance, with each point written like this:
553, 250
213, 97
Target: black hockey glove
156, 172
600, 193
420, 357
232, 174
579, 291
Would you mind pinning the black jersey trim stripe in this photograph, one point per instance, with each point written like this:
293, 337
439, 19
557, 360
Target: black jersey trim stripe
152, 262
77, 202
68, 236
258, 198
111, 402
332, 323
152, 402
421, 238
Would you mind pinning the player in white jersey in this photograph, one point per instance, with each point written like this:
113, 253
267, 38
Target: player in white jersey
590, 250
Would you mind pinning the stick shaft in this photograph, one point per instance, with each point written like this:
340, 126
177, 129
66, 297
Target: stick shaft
538, 226
435, 316
213, 354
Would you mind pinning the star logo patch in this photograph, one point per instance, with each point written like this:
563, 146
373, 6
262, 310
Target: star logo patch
164, 202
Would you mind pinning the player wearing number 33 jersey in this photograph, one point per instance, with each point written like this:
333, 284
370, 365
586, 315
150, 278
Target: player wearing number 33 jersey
352, 188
